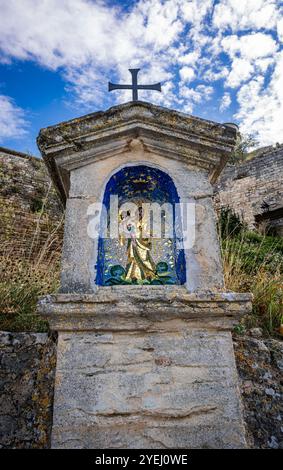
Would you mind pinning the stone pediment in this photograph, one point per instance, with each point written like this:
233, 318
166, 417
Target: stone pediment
201, 143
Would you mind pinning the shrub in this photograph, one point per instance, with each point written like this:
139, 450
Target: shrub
242, 150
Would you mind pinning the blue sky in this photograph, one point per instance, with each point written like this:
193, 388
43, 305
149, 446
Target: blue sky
220, 60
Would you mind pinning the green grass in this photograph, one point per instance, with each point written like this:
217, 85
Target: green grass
254, 263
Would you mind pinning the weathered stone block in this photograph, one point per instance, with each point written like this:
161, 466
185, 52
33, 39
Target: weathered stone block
177, 390
133, 378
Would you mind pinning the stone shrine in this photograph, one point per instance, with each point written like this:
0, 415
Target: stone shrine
145, 356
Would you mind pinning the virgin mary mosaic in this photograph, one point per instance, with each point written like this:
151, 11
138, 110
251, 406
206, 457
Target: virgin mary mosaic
141, 254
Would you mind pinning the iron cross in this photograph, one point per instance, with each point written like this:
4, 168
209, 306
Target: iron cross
134, 86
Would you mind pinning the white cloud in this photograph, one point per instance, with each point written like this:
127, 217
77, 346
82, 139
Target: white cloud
205, 90
187, 74
241, 71
225, 102
261, 109
216, 73
263, 64
189, 58
245, 14
174, 41
12, 119
64, 33
72, 33
200, 94
249, 46
280, 29
194, 11
247, 52
88, 40
163, 15
92, 41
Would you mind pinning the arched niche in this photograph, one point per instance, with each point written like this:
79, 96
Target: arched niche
146, 261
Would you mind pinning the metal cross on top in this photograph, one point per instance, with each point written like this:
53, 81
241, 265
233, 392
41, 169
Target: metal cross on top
134, 86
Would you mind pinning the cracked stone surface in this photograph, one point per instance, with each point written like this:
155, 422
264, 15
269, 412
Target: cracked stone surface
173, 389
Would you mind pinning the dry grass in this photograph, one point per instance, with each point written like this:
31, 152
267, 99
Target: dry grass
254, 263
26, 277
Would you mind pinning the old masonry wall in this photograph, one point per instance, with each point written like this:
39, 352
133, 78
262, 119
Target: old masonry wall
254, 187
27, 374
30, 209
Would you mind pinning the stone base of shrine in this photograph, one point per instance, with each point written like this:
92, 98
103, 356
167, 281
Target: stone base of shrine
146, 368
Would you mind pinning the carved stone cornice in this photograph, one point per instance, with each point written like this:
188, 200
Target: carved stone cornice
143, 308
72, 144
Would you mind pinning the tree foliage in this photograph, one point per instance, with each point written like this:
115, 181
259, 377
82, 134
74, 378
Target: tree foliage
244, 144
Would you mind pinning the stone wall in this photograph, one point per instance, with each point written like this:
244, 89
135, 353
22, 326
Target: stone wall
27, 381
30, 209
27, 372
260, 365
254, 188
